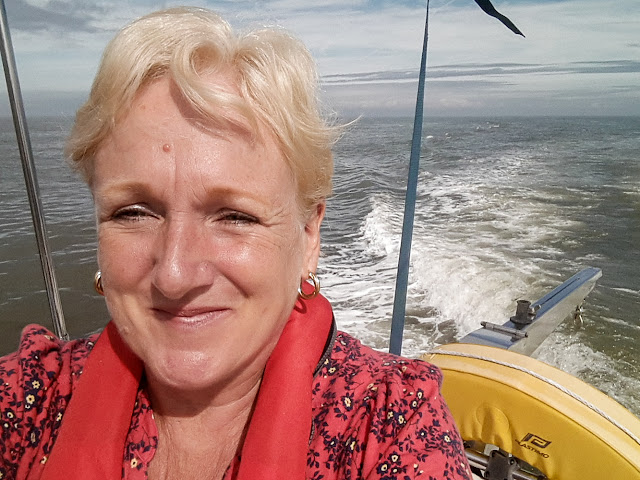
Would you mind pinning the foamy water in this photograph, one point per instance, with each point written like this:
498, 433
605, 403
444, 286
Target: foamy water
505, 210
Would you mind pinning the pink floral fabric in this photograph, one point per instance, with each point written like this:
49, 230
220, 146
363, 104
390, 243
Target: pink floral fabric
375, 416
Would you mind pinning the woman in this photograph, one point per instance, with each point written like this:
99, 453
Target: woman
209, 165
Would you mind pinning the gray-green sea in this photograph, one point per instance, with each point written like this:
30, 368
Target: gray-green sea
507, 209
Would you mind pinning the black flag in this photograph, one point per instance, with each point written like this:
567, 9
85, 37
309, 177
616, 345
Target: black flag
489, 9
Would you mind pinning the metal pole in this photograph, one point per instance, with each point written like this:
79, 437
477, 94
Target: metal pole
402, 277
28, 168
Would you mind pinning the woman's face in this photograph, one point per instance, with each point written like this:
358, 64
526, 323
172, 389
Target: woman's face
200, 243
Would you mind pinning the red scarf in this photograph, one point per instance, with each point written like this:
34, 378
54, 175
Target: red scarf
91, 442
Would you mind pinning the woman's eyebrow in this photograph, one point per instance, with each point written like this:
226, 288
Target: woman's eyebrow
125, 186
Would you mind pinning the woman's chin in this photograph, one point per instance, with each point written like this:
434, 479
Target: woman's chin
181, 370
189, 371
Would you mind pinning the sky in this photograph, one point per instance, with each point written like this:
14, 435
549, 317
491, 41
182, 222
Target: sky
579, 57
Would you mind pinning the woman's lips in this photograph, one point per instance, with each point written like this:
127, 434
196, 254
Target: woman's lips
190, 317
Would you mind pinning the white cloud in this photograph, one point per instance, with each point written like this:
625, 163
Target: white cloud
352, 37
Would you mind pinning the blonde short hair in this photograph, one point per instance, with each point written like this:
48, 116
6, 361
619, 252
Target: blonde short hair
275, 74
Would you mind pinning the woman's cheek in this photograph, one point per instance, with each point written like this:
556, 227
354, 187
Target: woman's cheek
124, 257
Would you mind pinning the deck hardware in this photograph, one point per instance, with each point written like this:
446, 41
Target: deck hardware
515, 334
501, 466
499, 462
525, 313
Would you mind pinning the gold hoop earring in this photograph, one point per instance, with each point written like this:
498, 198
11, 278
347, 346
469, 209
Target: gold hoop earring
97, 283
316, 287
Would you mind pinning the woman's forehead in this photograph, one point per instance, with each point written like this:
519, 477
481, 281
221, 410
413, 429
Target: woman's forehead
160, 105
156, 134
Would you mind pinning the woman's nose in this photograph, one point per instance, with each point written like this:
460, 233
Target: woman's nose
181, 261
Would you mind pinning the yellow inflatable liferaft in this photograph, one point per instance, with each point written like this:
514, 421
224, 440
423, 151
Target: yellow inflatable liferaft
553, 421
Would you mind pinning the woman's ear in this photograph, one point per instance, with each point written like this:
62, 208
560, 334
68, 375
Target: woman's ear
312, 232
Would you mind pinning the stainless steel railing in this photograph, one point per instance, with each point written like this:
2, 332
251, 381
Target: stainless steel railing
28, 168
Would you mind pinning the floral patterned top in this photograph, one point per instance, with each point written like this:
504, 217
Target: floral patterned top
375, 416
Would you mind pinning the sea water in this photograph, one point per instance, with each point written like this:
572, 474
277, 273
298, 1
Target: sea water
507, 209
